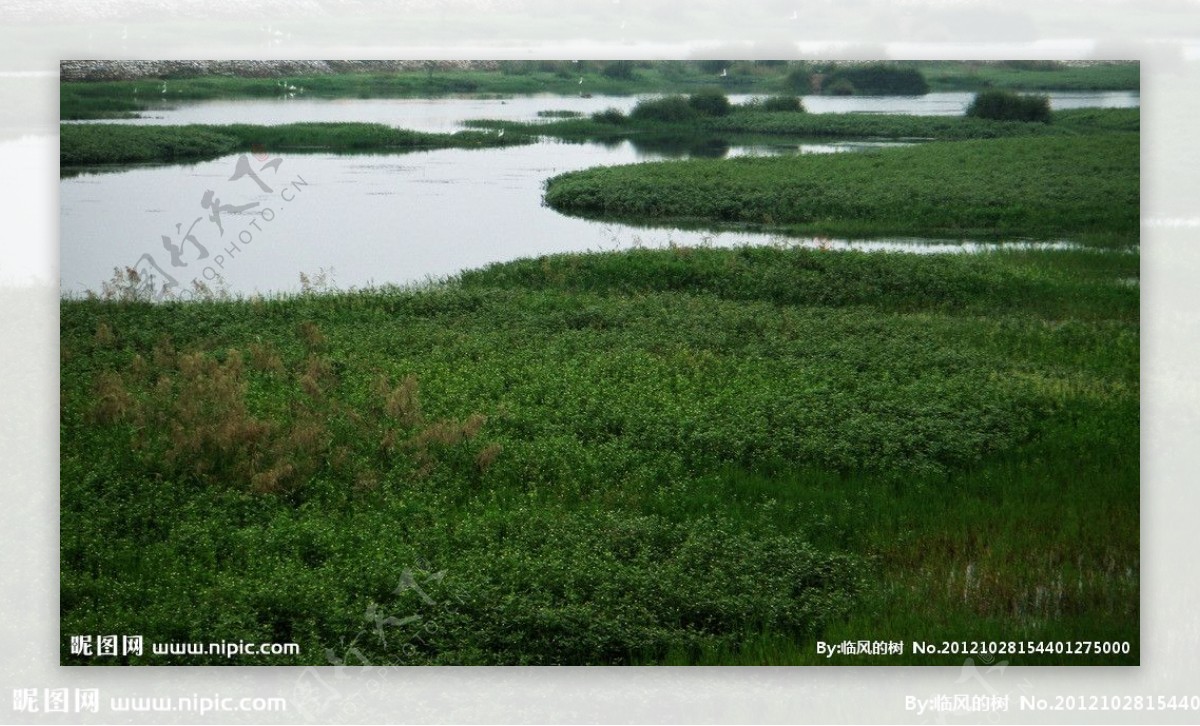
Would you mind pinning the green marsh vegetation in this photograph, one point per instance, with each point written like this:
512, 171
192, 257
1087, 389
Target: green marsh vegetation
687, 455
94, 144
1031, 75
709, 455
1083, 186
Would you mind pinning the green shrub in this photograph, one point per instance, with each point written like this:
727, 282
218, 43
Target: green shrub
710, 102
670, 109
609, 116
1006, 106
783, 103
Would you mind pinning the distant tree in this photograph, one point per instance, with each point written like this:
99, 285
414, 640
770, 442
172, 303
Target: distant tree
879, 79
799, 80
621, 70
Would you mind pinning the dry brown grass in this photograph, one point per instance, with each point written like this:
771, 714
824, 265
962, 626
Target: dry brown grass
264, 358
311, 335
403, 403
113, 402
487, 456
194, 415
104, 335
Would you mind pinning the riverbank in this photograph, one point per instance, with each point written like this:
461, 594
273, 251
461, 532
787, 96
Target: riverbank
709, 456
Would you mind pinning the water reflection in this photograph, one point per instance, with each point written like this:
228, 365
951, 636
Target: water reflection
679, 146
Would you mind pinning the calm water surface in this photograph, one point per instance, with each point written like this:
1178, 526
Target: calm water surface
378, 219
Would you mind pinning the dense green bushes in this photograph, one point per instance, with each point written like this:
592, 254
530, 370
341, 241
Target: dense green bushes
774, 104
876, 79
783, 103
669, 109
678, 109
609, 116
1006, 106
710, 102
799, 80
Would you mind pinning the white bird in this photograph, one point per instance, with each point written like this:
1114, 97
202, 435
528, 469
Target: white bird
164, 88
581, 80
501, 132
724, 72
